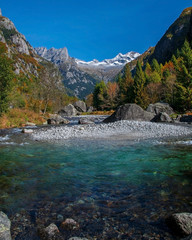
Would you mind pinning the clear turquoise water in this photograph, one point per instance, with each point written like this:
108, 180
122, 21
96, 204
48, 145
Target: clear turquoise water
133, 179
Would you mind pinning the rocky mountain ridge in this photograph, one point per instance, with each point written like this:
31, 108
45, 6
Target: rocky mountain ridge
18, 48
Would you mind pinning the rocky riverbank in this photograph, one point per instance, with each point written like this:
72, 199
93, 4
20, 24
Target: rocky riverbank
131, 130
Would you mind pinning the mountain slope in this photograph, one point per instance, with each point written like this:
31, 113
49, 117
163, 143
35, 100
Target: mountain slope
81, 76
174, 37
36, 80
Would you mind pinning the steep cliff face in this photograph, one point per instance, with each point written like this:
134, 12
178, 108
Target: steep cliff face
174, 37
24, 56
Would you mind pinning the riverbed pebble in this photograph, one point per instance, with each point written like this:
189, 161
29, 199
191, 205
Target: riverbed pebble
120, 129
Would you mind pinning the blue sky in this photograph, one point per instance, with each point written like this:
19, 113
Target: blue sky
94, 29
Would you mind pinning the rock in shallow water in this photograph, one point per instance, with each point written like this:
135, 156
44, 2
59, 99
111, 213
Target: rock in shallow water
69, 224
85, 121
50, 233
180, 223
51, 230
27, 130
5, 225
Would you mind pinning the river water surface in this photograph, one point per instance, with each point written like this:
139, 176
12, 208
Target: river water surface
113, 189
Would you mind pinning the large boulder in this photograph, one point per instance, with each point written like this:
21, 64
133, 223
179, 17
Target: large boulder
181, 223
130, 111
5, 225
156, 108
56, 119
162, 117
68, 110
80, 106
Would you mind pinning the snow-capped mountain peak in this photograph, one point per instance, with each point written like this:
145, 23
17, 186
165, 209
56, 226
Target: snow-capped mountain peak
120, 60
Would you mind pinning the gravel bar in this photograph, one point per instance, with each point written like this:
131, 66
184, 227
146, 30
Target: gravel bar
125, 129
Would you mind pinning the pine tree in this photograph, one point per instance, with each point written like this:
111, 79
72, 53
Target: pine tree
155, 66
184, 78
126, 86
139, 86
100, 95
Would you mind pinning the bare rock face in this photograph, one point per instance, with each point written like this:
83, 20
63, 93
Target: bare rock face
21, 44
181, 223
130, 111
6, 23
5, 225
157, 108
80, 106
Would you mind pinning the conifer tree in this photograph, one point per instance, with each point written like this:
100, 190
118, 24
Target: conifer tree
183, 94
139, 86
155, 66
126, 86
99, 95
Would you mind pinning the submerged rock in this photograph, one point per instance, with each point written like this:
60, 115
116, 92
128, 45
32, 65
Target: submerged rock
50, 233
188, 238
157, 108
5, 225
130, 111
180, 223
69, 224
51, 230
77, 238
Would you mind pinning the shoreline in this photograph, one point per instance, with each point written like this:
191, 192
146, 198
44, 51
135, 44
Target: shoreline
127, 130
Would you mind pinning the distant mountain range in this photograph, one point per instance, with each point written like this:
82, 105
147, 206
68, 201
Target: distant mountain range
118, 61
81, 76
